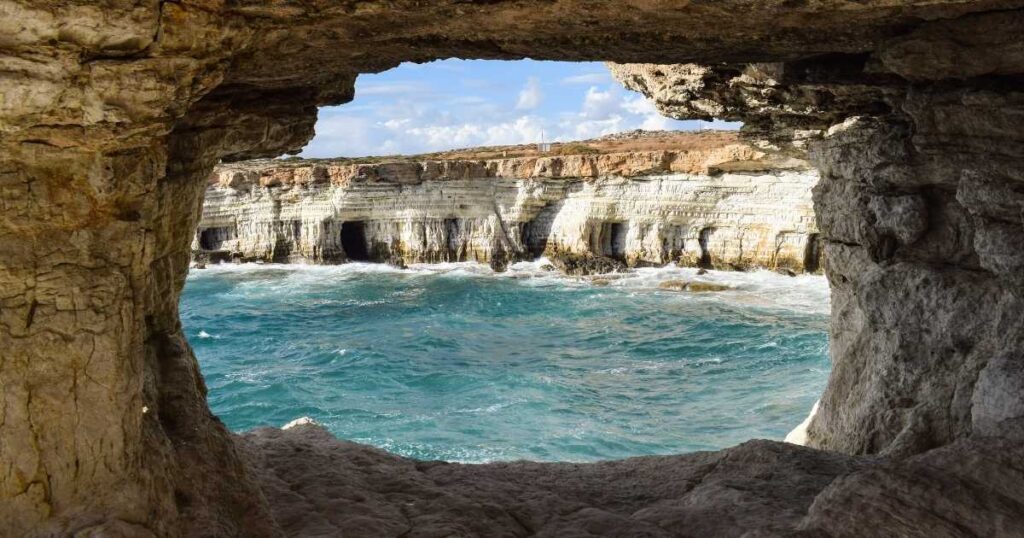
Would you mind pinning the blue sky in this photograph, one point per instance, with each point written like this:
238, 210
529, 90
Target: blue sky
448, 104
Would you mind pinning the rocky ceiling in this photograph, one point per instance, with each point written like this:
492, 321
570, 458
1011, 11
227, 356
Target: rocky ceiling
112, 114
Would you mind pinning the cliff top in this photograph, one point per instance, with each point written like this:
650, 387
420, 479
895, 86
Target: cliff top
629, 154
625, 142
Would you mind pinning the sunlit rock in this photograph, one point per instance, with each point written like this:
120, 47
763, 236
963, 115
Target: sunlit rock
113, 116
640, 207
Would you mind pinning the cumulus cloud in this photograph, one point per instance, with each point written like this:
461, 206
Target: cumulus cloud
531, 95
521, 130
598, 104
586, 79
339, 134
652, 120
410, 115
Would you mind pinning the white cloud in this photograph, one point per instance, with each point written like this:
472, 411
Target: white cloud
588, 78
521, 130
638, 105
650, 118
599, 104
531, 95
338, 134
411, 115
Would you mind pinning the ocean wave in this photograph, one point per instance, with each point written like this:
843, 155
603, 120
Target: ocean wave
457, 362
761, 288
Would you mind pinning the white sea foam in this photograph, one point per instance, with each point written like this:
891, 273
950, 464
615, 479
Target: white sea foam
454, 454
493, 408
271, 372
301, 421
805, 293
799, 434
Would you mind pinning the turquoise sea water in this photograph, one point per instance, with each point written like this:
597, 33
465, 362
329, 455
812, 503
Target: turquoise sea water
456, 363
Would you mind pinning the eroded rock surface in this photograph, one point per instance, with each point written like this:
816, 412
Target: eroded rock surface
113, 115
722, 204
320, 486
920, 211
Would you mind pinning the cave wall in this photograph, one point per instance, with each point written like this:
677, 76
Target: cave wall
925, 236
919, 206
112, 115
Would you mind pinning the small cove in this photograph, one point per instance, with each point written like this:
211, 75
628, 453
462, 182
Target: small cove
455, 362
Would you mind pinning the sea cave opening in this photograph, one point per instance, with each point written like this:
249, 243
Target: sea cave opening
909, 112
438, 358
353, 241
704, 242
212, 239
813, 253
617, 239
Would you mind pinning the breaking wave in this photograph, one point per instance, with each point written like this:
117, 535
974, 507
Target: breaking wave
456, 362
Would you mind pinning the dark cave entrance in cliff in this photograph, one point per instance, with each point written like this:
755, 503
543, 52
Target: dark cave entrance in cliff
353, 241
617, 240
384, 206
214, 238
704, 240
814, 253
609, 239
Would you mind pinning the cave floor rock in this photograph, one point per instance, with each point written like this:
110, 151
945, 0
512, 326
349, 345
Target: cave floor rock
317, 485
320, 486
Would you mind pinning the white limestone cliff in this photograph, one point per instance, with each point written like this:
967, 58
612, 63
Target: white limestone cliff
642, 207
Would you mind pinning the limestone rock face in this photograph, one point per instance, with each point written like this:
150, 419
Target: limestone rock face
631, 207
575, 264
113, 115
919, 208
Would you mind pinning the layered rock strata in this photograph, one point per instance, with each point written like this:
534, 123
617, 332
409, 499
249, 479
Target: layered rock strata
644, 208
113, 115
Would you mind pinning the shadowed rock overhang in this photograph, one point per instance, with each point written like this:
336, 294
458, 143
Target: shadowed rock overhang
112, 116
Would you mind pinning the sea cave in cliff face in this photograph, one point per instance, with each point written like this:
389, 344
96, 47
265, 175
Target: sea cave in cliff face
115, 122
630, 331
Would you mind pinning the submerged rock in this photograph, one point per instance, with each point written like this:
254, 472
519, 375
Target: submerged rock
697, 287
586, 264
674, 285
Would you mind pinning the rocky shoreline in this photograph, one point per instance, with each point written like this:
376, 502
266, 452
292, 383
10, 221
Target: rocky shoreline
115, 115
711, 202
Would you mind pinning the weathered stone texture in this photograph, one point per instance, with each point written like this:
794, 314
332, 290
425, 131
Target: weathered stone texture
759, 488
644, 208
113, 114
919, 208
